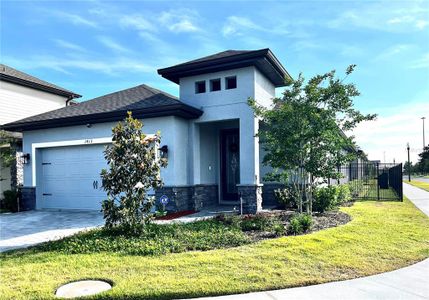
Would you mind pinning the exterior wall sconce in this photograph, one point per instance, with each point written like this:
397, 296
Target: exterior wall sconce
25, 158
163, 151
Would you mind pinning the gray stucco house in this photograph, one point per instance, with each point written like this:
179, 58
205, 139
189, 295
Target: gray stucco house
209, 132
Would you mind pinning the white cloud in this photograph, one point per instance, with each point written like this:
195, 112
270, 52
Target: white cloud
69, 45
237, 25
388, 135
73, 18
385, 16
420, 63
111, 44
114, 66
183, 26
234, 24
181, 20
136, 21
393, 51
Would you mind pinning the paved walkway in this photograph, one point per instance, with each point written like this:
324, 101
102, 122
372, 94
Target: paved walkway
418, 196
24, 229
411, 282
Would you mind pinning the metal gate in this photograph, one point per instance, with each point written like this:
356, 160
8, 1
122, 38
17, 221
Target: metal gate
373, 180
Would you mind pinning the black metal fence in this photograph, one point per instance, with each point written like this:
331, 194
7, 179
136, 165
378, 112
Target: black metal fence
372, 180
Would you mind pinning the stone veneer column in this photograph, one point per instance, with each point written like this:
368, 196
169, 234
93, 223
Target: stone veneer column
28, 198
252, 197
180, 197
205, 195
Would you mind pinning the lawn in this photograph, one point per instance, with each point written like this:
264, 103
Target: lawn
382, 236
419, 184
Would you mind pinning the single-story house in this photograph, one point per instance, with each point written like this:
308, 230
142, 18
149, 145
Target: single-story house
209, 132
23, 95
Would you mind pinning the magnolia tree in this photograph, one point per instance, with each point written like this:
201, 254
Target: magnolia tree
303, 133
134, 168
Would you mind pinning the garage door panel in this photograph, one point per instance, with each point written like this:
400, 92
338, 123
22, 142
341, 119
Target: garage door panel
68, 176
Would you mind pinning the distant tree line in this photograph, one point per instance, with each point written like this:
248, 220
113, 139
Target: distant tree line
422, 166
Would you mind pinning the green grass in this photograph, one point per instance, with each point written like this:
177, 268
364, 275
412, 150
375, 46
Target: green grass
370, 191
381, 237
419, 184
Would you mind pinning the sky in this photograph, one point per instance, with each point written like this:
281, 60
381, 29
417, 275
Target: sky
95, 47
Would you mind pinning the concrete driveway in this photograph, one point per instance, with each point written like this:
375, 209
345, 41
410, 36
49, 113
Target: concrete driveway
20, 230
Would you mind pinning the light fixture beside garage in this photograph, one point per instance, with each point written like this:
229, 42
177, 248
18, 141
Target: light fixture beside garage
25, 158
163, 151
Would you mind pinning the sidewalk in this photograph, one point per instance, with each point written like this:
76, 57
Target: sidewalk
411, 282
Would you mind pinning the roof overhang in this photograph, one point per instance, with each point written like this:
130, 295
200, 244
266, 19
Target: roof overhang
264, 60
179, 110
40, 87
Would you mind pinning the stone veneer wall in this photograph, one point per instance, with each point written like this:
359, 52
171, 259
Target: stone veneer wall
180, 197
252, 197
28, 198
268, 197
189, 197
205, 195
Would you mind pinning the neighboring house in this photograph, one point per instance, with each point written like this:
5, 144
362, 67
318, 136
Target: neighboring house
21, 96
209, 132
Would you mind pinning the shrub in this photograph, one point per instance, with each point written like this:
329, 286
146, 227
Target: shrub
325, 198
287, 196
295, 226
258, 222
231, 220
306, 222
300, 223
278, 229
344, 194
10, 201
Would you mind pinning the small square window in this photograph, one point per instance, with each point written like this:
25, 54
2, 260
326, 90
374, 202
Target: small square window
215, 85
231, 82
200, 87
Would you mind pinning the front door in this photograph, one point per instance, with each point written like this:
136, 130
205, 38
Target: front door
229, 164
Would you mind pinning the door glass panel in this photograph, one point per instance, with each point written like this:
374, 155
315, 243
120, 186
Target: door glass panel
232, 163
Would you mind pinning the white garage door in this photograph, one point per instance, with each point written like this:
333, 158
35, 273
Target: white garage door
70, 177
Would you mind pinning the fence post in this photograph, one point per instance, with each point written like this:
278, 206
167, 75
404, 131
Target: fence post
401, 184
378, 183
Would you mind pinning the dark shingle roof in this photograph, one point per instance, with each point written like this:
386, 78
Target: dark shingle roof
262, 59
12, 75
222, 54
144, 101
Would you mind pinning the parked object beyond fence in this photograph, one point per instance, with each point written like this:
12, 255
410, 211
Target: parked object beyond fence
372, 180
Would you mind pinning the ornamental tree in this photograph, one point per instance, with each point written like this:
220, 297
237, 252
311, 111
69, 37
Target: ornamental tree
134, 169
303, 132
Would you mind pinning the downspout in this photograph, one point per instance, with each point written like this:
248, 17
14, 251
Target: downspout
70, 98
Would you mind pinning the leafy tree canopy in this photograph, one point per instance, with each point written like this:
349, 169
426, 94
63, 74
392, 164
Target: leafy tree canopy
303, 131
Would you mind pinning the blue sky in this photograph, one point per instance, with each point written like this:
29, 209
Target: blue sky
94, 47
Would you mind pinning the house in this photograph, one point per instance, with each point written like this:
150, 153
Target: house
209, 133
21, 96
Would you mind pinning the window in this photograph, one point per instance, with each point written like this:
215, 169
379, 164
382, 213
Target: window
215, 85
200, 87
231, 82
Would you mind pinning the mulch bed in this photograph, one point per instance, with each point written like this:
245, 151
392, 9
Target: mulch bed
175, 215
320, 221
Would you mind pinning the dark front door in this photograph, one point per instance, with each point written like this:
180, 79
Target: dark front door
229, 163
